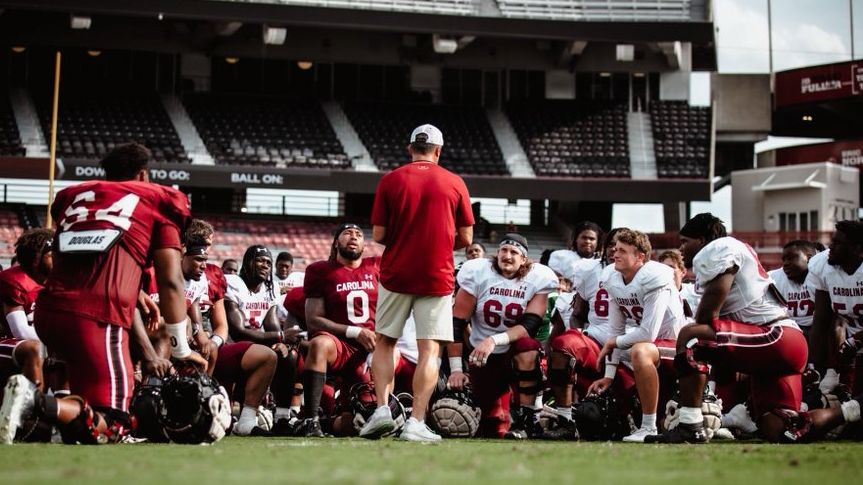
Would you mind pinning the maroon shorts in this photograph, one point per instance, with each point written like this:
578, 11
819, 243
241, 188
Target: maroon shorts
350, 363
229, 364
774, 357
97, 357
492, 387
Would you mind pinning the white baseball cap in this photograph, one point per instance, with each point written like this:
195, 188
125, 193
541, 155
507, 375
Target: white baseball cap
427, 134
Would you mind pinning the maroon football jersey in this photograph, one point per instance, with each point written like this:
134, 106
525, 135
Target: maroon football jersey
295, 304
350, 295
106, 233
17, 288
217, 286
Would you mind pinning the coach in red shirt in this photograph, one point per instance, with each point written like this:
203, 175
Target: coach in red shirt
421, 214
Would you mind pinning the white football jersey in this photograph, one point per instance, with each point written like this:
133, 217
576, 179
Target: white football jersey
650, 300
253, 306
799, 297
845, 290
688, 293
192, 291
588, 276
749, 300
293, 280
562, 261
501, 301
563, 306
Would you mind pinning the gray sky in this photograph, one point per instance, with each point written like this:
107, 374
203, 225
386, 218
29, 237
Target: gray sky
805, 33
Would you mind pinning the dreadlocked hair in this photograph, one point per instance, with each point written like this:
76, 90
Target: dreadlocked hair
705, 226
31, 245
586, 226
247, 268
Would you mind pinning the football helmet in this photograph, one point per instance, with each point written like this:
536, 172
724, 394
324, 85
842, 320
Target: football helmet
454, 415
363, 404
195, 410
598, 417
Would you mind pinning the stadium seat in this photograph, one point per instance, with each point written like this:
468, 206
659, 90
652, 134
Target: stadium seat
572, 138
10, 139
469, 143
10, 231
681, 138
266, 131
90, 125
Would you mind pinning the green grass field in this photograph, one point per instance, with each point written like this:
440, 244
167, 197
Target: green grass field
279, 460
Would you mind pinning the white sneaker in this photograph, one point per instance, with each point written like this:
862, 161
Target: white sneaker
639, 435
738, 417
418, 431
18, 399
379, 424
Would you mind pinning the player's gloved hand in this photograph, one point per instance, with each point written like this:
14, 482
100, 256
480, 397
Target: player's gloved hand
848, 350
599, 386
829, 381
457, 380
366, 338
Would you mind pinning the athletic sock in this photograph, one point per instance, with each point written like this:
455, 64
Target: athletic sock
313, 386
564, 412
248, 420
648, 421
691, 415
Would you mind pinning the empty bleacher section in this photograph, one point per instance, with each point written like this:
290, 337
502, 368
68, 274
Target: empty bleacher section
597, 10
681, 135
90, 125
307, 241
266, 131
573, 139
469, 144
10, 140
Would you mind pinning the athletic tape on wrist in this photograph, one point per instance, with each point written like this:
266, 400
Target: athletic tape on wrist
352, 332
179, 345
455, 364
500, 338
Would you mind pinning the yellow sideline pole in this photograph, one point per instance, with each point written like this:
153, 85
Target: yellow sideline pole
53, 159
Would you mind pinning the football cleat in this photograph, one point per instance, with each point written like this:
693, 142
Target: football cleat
683, 433
418, 431
19, 399
640, 435
379, 424
561, 429
310, 428
525, 425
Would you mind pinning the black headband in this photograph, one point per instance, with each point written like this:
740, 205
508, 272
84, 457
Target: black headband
196, 250
344, 227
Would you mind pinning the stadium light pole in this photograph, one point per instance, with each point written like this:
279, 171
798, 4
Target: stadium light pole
53, 158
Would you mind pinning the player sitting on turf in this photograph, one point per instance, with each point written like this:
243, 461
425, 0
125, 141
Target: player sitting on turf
247, 302
504, 299
574, 350
836, 276
21, 351
742, 325
643, 292
341, 297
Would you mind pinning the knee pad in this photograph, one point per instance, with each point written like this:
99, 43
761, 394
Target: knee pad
687, 363
534, 375
796, 425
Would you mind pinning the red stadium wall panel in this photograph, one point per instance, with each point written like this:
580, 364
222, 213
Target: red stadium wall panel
846, 152
819, 83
